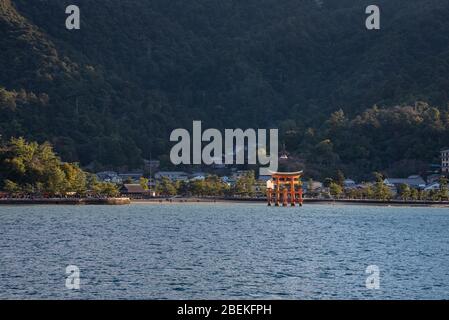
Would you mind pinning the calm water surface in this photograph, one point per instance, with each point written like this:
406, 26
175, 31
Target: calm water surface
223, 251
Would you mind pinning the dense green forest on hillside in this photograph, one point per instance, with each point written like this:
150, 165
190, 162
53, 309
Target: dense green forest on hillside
111, 93
32, 168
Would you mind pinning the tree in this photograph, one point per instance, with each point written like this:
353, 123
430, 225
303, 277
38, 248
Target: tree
76, 180
11, 187
101, 133
166, 187
55, 183
108, 189
353, 194
337, 120
404, 191
196, 187
310, 188
340, 178
105, 189
183, 188
245, 185
328, 182
369, 192
7, 99
335, 190
217, 187
434, 195
35, 168
414, 194
381, 191
144, 183
444, 193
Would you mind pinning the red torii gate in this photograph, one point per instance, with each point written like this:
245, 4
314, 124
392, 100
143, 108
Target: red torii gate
285, 187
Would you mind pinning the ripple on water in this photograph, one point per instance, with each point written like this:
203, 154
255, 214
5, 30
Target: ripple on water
221, 251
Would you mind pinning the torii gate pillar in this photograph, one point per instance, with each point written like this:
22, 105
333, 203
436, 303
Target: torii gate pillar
285, 188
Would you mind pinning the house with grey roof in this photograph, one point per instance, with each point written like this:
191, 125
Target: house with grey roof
349, 184
435, 186
109, 176
134, 190
414, 181
133, 177
172, 175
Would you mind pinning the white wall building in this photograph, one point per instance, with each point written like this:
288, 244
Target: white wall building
172, 175
432, 187
445, 161
414, 181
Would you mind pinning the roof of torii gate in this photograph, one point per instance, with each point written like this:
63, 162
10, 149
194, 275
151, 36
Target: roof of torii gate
288, 174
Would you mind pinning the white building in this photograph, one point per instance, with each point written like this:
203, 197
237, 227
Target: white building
264, 178
445, 161
414, 181
172, 175
433, 178
229, 181
311, 186
349, 183
433, 187
131, 176
109, 176
198, 176
241, 173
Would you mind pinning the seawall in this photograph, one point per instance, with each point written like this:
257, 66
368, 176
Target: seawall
67, 201
409, 203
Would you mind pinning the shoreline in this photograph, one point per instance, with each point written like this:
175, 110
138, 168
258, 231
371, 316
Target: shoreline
67, 201
195, 200
397, 203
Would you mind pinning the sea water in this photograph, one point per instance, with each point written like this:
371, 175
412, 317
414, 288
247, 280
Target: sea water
223, 251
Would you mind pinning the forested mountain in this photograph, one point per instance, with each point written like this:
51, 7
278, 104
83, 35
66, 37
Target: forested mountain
111, 92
